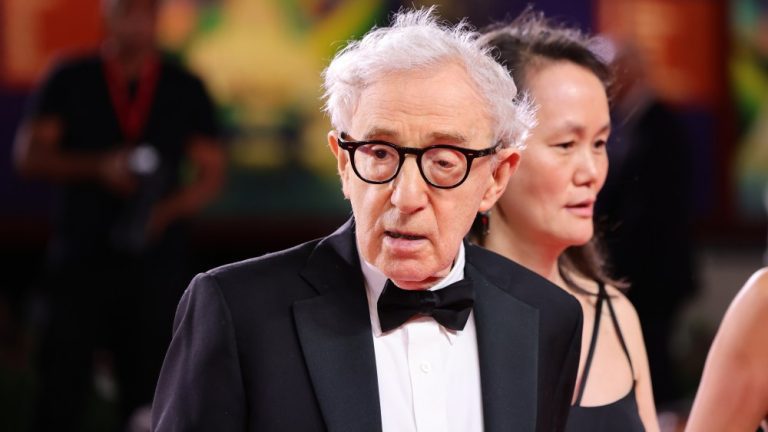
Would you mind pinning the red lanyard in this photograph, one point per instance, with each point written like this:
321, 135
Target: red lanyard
132, 114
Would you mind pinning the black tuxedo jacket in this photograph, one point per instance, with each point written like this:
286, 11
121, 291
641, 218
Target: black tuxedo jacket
284, 343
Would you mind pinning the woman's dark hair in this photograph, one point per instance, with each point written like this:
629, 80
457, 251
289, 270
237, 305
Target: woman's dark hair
522, 46
531, 41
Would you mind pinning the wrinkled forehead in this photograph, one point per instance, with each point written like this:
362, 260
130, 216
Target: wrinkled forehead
441, 99
424, 70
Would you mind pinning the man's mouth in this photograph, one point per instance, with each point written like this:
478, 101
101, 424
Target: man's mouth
405, 236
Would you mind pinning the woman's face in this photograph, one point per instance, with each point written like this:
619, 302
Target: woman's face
550, 199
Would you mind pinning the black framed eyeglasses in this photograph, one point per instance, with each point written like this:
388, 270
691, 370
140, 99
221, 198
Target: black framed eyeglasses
442, 166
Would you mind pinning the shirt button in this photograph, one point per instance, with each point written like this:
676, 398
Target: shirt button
425, 367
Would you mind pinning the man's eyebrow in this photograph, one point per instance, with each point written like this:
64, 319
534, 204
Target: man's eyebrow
378, 133
448, 137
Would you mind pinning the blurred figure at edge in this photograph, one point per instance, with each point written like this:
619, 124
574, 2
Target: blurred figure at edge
733, 392
112, 132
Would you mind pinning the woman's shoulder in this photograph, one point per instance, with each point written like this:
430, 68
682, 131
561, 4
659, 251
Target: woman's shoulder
750, 306
629, 323
742, 339
625, 311
626, 315
757, 286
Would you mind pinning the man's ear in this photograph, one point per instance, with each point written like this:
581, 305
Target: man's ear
342, 161
508, 160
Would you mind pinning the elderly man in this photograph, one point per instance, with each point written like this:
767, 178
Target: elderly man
391, 323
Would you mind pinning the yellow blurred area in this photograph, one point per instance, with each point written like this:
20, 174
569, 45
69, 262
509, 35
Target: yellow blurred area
265, 69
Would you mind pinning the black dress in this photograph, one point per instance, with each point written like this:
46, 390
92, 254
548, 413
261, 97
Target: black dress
621, 415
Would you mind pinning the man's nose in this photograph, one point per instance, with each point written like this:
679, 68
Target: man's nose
409, 194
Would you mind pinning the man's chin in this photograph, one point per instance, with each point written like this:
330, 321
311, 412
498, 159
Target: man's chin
412, 274
402, 248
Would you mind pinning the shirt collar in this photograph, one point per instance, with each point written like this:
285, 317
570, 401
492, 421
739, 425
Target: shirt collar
375, 281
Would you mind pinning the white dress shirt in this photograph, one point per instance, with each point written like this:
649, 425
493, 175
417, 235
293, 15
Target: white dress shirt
429, 376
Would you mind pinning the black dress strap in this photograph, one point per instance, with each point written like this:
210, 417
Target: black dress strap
616, 327
592, 345
602, 295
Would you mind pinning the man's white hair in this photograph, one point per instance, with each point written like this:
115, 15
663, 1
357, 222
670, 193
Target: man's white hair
417, 40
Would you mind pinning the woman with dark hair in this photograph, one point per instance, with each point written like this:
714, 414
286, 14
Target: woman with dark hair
544, 219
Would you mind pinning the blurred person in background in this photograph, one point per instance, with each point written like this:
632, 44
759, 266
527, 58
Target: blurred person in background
645, 213
393, 322
130, 142
733, 392
544, 220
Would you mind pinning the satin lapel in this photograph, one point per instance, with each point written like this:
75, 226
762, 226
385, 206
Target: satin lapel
335, 334
507, 340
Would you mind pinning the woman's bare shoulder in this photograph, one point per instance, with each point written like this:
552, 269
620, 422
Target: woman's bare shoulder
626, 314
733, 393
751, 300
757, 284
629, 322
624, 309
742, 339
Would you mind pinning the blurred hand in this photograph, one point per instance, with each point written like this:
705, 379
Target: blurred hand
115, 173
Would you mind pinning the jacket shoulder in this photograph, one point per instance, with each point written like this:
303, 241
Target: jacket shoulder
523, 283
269, 266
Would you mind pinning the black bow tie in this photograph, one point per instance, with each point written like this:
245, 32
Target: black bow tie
449, 306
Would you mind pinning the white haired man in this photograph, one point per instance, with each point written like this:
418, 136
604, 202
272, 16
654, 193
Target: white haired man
392, 322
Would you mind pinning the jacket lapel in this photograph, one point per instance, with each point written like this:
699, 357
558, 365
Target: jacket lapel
334, 330
507, 339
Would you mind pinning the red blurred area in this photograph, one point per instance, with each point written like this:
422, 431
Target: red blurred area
33, 33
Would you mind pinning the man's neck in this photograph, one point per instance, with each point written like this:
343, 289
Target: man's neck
375, 278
